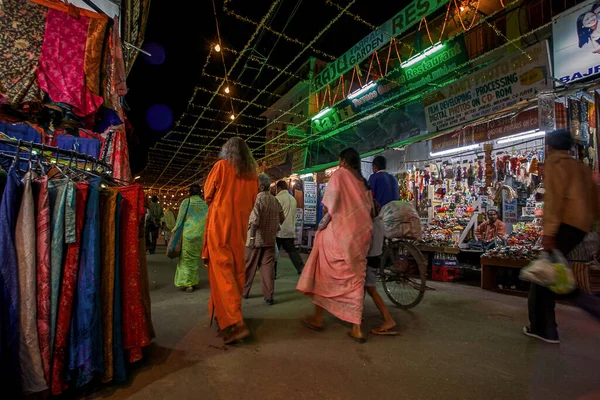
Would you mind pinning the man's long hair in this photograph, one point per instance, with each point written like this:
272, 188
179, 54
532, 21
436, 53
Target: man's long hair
237, 152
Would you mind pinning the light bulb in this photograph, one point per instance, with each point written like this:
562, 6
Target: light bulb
227, 89
217, 48
232, 117
462, 8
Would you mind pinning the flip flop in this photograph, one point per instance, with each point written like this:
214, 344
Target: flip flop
357, 340
384, 332
309, 325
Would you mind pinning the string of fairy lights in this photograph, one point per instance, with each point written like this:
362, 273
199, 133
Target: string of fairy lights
467, 25
483, 20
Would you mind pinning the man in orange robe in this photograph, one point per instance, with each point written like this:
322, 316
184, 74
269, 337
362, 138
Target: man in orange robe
230, 192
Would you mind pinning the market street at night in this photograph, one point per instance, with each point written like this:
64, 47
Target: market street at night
459, 343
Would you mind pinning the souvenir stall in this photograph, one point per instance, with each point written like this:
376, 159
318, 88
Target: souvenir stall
76, 308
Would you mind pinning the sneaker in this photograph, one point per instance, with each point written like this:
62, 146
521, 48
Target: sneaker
269, 302
528, 332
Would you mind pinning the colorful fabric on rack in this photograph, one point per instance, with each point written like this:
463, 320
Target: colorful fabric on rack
85, 353
61, 71
20, 45
57, 190
9, 290
32, 371
119, 158
68, 289
22, 132
119, 368
145, 284
83, 145
135, 329
108, 231
93, 53
43, 249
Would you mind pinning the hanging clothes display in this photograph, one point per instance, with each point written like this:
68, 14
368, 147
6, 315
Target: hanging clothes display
32, 371
9, 312
23, 25
69, 283
61, 71
74, 307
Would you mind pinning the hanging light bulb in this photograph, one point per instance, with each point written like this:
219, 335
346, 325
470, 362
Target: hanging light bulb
227, 89
232, 117
217, 48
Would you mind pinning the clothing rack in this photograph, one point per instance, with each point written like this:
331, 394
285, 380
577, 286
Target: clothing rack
73, 154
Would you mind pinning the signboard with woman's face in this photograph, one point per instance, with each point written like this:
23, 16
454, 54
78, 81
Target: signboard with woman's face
576, 38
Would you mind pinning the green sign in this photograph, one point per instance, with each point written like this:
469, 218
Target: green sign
324, 121
397, 25
415, 73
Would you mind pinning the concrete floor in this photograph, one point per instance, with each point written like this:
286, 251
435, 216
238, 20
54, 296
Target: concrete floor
460, 343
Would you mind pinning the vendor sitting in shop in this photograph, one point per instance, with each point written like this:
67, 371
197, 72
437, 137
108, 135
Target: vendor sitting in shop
488, 232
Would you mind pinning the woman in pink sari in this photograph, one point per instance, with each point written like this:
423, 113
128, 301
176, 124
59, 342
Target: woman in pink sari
334, 275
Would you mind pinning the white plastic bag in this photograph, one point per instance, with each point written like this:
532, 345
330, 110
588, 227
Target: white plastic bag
550, 270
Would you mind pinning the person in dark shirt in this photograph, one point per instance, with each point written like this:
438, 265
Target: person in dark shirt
383, 185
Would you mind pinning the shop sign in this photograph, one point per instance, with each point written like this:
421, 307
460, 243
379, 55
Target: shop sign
299, 219
397, 25
576, 52
310, 203
509, 212
330, 120
504, 83
430, 69
491, 130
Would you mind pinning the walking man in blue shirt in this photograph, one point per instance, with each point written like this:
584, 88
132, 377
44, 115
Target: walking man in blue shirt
383, 185
385, 189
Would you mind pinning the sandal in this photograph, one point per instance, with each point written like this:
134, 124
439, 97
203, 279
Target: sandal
307, 324
385, 332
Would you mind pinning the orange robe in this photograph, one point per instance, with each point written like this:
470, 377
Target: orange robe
230, 201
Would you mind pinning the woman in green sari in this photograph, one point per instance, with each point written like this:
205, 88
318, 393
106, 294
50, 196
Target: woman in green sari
192, 215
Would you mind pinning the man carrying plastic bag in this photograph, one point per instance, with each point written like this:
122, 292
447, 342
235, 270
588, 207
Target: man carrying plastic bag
570, 210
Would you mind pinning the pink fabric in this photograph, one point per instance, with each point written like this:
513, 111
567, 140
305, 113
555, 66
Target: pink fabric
334, 275
61, 71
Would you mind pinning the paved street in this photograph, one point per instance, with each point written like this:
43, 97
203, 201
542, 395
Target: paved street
459, 343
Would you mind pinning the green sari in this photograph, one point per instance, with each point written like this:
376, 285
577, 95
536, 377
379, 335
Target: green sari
188, 265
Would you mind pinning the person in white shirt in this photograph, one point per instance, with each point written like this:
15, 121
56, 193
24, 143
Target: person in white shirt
286, 237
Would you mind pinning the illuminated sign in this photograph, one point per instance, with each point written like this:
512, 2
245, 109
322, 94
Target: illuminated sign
397, 25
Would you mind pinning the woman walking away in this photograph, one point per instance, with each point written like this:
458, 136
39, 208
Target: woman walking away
334, 275
570, 210
230, 191
192, 215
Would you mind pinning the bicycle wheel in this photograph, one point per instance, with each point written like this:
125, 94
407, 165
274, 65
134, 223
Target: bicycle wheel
403, 274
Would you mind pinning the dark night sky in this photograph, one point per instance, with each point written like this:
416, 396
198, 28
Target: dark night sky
186, 34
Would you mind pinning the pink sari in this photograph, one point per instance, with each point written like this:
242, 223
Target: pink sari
334, 275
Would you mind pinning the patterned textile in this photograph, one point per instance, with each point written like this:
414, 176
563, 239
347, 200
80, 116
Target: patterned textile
61, 71
116, 153
57, 192
69, 285
145, 285
135, 329
119, 371
32, 371
85, 339
266, 215
9, 290
188, 265
44, 239
20, 45
561, 115
334, 275
108, 231
93, 53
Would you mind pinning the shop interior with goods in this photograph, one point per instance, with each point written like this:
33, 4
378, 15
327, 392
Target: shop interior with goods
454, 179
76, 308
